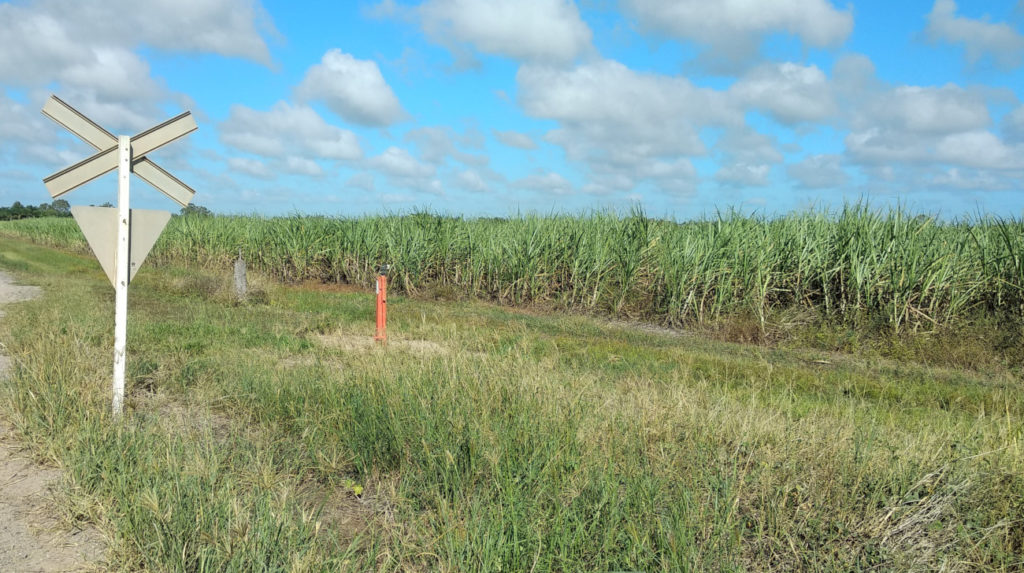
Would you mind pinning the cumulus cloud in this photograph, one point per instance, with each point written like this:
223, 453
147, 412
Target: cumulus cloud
901, 133
979, 149
619, 120
744, 174
252, 167
363, 181
1013, 125
748, 146
878, 145
26, 137
470, 180
667, 169
625, 126
437, 144
734, 28
791, 93
352, 88
89, 53
90, 47
232, 28
106, 80
43, 38
515, 139
546, 182
980, 38
819, 172
21, 125
397, 162
302, 166
539, 31
285, 129
970, 179
929, 110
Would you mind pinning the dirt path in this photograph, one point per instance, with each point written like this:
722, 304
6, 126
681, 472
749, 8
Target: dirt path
31, 536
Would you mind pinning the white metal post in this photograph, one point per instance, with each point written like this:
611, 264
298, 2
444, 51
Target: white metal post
121, 261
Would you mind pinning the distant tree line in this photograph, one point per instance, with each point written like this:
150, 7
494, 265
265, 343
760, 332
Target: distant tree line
59, 208
196, 210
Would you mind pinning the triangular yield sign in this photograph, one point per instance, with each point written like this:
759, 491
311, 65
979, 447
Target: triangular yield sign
99, 225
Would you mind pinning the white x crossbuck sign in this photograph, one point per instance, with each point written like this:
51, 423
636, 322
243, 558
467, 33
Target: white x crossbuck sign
120, 237
99, 224
106, 160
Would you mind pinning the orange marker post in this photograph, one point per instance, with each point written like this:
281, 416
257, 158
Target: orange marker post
382, 306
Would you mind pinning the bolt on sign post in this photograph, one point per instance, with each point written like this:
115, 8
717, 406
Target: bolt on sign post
120, 237
382, 305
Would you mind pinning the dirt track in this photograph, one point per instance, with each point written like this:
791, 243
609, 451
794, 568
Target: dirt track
31, 535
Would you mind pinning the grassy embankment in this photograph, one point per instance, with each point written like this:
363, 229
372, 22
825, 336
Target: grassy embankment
273, 436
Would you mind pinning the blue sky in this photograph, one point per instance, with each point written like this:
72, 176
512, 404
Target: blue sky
493, 107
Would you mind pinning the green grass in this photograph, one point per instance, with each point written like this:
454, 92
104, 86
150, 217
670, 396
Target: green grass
272, 436
878, 270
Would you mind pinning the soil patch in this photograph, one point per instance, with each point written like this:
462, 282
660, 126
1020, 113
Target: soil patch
32, 536
362, 343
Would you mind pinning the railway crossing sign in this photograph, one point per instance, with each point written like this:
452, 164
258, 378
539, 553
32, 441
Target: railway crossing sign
106, 160
120, 237
99, 225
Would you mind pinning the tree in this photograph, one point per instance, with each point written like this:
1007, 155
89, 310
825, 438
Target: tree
61, 207
18, 211
196, 210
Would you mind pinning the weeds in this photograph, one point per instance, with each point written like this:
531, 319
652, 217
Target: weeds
512, 442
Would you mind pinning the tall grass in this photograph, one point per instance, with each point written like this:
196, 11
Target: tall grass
854, 264
503, 441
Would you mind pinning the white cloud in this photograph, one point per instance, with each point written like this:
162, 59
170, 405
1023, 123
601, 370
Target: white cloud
37, 46
233, 28
249, 166
89, 53
105, 80
622, 122
819, 172
397, 162
980, 38
21, 125
877, 145
748, 146
515, 139
432, 186
1013, 125
546, 182
608, 112
929, 110
364, 181
302, 166
667, 169
924, 127
352, 88
471, 181
434, 143
284, 130
744, 174
790, 92
437, 144
970, 179
979, 149
733, 28
549, 31
44, 37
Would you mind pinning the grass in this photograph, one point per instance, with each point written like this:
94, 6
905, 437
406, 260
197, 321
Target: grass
271, 436
879, 270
